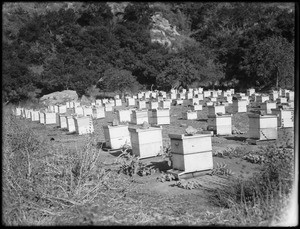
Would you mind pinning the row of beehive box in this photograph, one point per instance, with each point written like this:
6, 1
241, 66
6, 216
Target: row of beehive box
189, 153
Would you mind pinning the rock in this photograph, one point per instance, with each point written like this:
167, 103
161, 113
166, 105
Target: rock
219, 114
59, 97
183, 124
191, 130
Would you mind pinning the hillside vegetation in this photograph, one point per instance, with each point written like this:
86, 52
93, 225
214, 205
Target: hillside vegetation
131, 46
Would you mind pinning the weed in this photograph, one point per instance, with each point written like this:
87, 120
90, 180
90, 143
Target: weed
221, 169
191, 184
166, 177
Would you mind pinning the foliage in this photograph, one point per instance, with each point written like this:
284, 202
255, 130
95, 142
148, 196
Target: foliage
222, 169
190, 184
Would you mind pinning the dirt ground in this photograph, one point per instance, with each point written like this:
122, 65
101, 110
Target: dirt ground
166, 198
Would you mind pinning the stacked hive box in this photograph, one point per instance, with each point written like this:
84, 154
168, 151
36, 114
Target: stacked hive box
116, 136
139, 116
239, 106
197, 107
84, 125
63, 121
250, 91
153, 105
161, 116
221, 125
87, 111
34, 116
285, 118
50, 118
191, 153
98, 112
61, 109
124, 115
42, 117
71, 124
189, 115
262, 127
261, 98
166, 104
267, 106
130, 102
141, 104
146, 142
118, 102
78, 110
212, 110
194, 101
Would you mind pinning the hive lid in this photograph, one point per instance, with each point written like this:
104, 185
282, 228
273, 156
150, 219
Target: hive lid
183, 136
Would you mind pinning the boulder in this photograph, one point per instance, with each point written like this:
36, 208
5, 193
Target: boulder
59, 97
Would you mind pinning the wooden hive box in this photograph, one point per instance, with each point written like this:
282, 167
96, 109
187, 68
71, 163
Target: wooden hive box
188, 95
281, 100
130, 102
213, 94
124, 115
117, 102
197, 107
189, 115
34, 116
267, 106
50, 118
200, 96
173, 96
239, 106
108, 107
84, 125
42, 117
139, 117
141, 104
98, 112
87, 110
63, 121
180, 96
274, 96
62, 109
79, 110
193, 101
116, 136
71, 124
213, 99
140, 95
290, 95
221, 125
178, 101
209, 103
212, 110
191, 153
285, 118
161, 116
153, 105
262, 127
146, 142
165, 104
153, 95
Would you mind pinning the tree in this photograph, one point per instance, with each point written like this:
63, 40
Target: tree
271, 63
119, 81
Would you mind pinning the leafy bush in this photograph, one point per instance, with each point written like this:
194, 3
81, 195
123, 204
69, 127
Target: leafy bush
221, 169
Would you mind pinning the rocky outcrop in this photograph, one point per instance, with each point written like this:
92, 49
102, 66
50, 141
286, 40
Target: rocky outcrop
59, 97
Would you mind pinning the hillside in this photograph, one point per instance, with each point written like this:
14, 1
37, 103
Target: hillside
51, 47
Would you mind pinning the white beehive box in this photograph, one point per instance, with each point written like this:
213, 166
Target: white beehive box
63, 121
180, 96
239, 106
221, 125
208, 103
226, 93
84, 125
108, 107
200, 89
250, 91
147, 95
117, 97
189, 115
262, 127
124, 115
28, 113
87, 110
78, 110
103, 101
285, 118
146, 142
76, 104
165, 104
140, 95
228, 99
261, 98
183, 90
178, 101
118, 102
191, 153
50, 118
163, 94
98, 112
274, 96
161, 116
42, 117
116, 136
153, 95
197, 107
232, 90
214, 94
193, 101
212, 110
71, 124
130, 102
267, 106
34, 116
200, 96
134, 97
281, 100
99, 102
206, 94
139, 117
188, 95
153, 105
213, 99
61, 109
190, 90
173, 91
18, 111
290, 95
141, 104
173, 96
